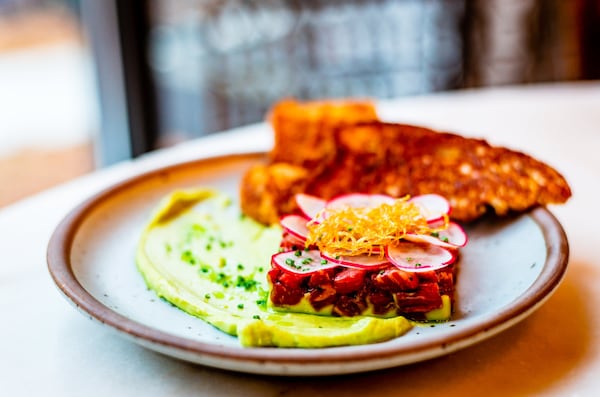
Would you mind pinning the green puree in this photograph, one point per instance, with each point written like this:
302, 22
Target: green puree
199, 253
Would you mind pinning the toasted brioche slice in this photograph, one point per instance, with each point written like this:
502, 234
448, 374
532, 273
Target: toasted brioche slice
304, 144
267, 191
303, 130
474, 176
396, 159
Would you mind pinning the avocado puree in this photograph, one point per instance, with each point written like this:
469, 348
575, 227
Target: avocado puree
202, 255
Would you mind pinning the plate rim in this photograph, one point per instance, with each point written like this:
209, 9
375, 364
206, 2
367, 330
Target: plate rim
60, 268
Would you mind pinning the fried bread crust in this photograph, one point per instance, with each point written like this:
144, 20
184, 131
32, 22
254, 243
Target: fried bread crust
267, 191
303, 130
399, 160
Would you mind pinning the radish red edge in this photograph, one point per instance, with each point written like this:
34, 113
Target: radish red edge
433, 206
453, 237
311, 206
295, 225
358, 261
358, 200
301, 261
419, 257
427, 239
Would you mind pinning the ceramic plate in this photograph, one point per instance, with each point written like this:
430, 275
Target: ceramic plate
508, 269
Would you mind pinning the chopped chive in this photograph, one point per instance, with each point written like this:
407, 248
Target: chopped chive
198, 228
188, 257
245, 283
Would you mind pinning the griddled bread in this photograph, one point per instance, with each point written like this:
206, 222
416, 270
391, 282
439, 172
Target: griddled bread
399, 160
303, 130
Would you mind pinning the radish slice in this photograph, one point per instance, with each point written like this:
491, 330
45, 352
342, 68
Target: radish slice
453, 237
358, 261
433, 206
310, 206
419, 257
292, 241
296, 226
427, 239
359, 200
301, 261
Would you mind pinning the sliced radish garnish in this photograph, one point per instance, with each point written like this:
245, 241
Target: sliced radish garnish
427, 239
310, 206
359, 200
289, 241
358, 261
301, 261
419, 257
295, 225
452, 237
432, 206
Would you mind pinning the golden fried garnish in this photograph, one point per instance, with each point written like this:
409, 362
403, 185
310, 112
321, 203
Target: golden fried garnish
363, 230
328, 158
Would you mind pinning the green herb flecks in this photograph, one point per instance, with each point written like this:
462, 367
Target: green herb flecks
188, 256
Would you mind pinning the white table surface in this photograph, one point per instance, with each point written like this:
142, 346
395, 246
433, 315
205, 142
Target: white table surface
49, 349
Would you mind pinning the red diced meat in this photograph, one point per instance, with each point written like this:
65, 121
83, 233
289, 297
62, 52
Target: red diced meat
349, 280
382, 301
350, 290
292, 280
320, 278
395, 280
425, 299
348, 306
322, 296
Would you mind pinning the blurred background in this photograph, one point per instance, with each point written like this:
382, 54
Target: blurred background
87, 83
